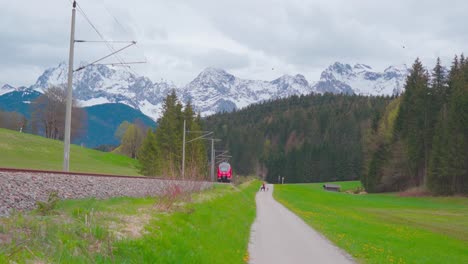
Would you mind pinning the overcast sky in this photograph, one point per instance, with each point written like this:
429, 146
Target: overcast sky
254, 39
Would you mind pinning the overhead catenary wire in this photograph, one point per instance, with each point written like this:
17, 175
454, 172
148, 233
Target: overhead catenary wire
125, 31
113, 51
82, 12
122, 27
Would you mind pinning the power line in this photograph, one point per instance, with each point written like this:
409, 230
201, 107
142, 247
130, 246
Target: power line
82, 12
113, 51
122, 27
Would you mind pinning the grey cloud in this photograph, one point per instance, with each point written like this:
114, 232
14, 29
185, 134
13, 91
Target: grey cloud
181, 37
221, 59
311, 32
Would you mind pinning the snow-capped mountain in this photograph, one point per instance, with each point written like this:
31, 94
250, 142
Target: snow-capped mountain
362, 79
100, 84
214, 90
6, 88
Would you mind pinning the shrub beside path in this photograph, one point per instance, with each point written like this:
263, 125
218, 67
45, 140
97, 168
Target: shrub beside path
279, 236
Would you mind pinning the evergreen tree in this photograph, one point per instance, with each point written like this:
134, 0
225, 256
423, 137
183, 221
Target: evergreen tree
147, 156
449, 157
412, 122
169, 136
161, 152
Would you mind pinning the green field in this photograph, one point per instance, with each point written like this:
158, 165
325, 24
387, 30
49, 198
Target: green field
384, 228
21, 150
212, 227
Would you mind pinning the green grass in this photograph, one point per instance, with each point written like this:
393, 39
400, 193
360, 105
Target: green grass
21, 150
213, 228
384, 228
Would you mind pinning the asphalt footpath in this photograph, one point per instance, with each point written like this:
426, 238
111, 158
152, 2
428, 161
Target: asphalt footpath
279, 236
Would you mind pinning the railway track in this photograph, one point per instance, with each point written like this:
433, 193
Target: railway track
20, 189
76, 173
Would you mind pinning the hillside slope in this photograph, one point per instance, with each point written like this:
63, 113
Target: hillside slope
102, 120
21, 150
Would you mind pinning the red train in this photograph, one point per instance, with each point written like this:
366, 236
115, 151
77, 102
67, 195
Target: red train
224, 172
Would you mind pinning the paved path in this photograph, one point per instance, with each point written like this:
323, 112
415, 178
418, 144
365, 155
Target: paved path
279, 236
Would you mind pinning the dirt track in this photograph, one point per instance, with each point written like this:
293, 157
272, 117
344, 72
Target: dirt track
279, 236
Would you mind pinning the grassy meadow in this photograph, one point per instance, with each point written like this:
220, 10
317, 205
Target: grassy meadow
21, 150
384, 228
212, 226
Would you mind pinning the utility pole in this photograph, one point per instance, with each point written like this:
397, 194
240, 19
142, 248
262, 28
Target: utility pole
212, 160
66, 147
183, 154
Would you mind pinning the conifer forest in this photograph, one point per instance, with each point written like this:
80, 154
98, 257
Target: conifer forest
416, 139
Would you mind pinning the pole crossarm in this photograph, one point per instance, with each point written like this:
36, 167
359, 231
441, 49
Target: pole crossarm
107, 56
121, 63
201, 131
200, 137
103, 41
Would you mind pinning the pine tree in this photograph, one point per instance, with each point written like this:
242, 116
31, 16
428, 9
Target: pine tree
412, 122
449, 157
458, 126
168, 136
147, 156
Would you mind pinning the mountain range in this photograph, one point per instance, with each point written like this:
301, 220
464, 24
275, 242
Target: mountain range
213, 90
111, 95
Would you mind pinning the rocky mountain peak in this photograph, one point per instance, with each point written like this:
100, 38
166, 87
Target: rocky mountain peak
214, 76
362, 79
340, 68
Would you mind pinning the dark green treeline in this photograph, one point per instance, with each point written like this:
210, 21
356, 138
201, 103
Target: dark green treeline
303, 138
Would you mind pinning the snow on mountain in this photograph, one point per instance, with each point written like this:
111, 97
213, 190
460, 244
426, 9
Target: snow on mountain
214, 90
6, 88
362, 79
98, 84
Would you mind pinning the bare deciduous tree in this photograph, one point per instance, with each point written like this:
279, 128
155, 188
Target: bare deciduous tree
48, 115
12, 120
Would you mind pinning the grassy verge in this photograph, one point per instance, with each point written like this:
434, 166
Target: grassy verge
384, 228
21, 150
213, 228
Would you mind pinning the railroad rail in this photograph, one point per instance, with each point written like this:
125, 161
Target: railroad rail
78, 173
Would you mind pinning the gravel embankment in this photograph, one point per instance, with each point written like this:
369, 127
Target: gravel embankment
20, 190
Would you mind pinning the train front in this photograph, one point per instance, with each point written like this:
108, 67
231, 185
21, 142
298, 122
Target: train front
224, 172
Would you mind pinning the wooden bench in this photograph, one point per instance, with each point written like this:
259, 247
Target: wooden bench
331, 187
